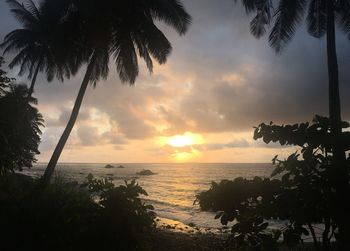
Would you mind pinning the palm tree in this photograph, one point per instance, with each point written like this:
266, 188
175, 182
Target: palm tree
321, 19
20, 132
39, 44
118, 29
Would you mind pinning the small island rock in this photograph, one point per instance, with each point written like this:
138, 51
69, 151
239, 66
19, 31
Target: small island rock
145, 172
109, 166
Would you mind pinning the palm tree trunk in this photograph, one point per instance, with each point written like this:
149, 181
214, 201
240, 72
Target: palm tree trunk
31, 88
339, 175
73, 117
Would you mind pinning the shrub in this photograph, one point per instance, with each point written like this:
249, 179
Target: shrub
302, 192
68, 216
248, 202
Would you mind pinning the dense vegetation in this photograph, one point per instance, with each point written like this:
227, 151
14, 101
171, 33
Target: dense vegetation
63, 215
95, 215
20, 124
301, 193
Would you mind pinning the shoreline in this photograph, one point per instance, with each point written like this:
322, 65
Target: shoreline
180, 227
172, 235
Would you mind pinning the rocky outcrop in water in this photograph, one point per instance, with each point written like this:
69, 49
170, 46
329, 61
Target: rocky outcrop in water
145, 172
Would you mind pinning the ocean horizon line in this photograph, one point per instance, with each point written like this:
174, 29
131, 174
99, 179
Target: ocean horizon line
171, 163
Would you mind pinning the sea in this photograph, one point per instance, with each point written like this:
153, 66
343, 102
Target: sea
173, 187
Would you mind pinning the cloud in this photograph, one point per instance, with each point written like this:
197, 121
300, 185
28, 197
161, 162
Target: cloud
88, 135
238, 143
64, 115
135, 128
219, 79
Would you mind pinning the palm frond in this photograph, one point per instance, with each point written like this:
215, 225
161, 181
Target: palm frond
155, 41
125, 57
317, 18
16, 40
262, 18
19, 58
288, 15
49, 69
101, 66
25, 65
172, 12
21, 13
343, 16
143, 52
31, 7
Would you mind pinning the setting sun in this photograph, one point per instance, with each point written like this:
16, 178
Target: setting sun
180, 141
183, 147
186, 139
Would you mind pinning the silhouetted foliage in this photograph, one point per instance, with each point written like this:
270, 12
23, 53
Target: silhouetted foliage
248, 202
123, 216
282, 17
4, 80
314, 135
44, 43
302, 193
20, 124
67, 216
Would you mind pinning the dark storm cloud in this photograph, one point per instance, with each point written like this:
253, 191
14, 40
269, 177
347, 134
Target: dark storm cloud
285, 88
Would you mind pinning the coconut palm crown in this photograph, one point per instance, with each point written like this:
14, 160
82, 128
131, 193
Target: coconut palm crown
286, 15
122, 30
40, 45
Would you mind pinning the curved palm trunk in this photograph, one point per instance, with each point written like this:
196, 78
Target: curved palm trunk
339, 174
31, 88
73, 117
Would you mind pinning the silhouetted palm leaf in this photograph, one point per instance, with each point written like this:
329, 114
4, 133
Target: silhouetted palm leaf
288, 15
171, 12
41, 44
317, 18
343, 16
262, 18
120, 29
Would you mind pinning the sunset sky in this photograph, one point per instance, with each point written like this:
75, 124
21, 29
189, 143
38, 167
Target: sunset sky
202, 105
